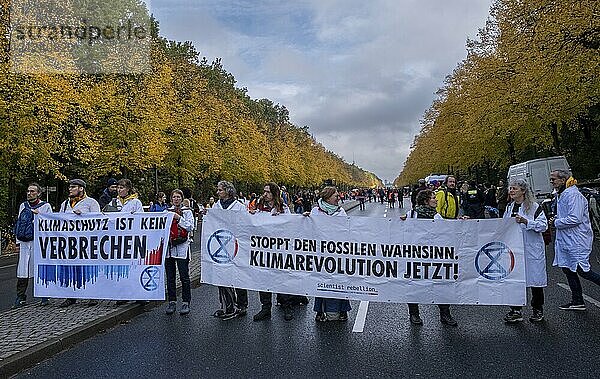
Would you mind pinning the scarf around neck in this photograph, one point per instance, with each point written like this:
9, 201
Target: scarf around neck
328, 208
124, 200
425, 211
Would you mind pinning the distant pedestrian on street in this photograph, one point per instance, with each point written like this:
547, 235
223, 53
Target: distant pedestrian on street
532, 220
573, 242
24, 233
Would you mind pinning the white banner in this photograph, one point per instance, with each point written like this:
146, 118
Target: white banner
365, 258
116, 256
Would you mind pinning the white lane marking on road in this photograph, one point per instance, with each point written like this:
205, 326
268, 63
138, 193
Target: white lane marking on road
586, 297
361, 317
8, 266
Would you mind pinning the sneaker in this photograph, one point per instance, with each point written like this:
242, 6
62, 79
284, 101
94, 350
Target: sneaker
67, 303
185, 308
219, 313
92, 302
18, 303
537, 316
332, 316
287, 314
513, 316
447, 319
45, 301
343, 316
234, 314
321, 317
171, 308
264, 314
241, 312
572, 307
415, 319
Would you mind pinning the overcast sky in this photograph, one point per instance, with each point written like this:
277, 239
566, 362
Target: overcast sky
360, 74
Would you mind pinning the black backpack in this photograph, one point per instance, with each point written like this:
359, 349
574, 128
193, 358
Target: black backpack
24, 224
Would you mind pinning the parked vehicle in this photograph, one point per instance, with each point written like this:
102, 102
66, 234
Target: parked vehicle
435, 179
537, 173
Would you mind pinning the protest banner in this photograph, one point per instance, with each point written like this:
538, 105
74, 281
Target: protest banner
365, 258
116, 256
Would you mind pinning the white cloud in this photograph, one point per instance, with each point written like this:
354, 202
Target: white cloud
359, 73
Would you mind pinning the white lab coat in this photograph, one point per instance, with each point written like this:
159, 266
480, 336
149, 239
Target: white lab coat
533, 243
574, 234
235, 206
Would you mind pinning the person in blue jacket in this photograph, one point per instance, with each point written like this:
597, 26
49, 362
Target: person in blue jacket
574, 236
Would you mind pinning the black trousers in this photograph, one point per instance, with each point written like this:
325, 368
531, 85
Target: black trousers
22, 284
413, 308
537, 299
183, 266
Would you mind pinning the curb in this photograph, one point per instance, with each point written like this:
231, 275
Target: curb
28, 358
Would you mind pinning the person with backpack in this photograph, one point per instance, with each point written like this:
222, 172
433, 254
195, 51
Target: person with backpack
234, 301
532, 221
78, 203
24, 233
448, 201
178, 254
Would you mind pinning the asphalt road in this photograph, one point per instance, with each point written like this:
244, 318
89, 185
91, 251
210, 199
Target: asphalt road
382, 344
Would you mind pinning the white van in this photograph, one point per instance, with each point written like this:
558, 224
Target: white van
537, 173
435, 179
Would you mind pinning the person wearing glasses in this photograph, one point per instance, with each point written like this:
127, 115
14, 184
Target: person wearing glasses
574, 236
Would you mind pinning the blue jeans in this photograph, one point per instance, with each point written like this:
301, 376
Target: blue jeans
575, 284
183, 265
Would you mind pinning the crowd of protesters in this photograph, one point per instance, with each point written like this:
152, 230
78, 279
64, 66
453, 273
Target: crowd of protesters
452, 200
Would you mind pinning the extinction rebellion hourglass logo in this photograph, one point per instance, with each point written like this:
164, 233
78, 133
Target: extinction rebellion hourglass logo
495, 261
222, 246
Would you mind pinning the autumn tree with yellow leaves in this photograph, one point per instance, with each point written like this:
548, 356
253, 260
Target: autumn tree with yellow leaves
182, 124
529, 88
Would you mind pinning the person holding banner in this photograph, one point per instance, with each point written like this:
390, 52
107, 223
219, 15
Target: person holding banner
24, 233
78, 203
426, 204
234, 301
127, 202
272, 203
329, 309
178, 254
532, 220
